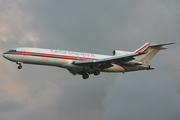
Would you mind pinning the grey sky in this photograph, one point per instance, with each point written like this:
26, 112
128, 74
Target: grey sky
43, 93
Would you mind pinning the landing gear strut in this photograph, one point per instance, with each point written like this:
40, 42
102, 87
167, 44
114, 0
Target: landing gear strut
85, 76
19, 65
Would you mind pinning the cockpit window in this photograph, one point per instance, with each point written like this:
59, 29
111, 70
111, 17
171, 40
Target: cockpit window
12, 50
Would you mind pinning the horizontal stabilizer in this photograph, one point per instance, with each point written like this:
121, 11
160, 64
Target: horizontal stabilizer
160, 46
151, 51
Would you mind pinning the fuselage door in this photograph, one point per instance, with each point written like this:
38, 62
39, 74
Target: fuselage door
24, 52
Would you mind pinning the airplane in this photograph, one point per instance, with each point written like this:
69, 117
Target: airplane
87, 63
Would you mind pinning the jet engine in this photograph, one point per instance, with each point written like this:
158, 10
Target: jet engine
118, 52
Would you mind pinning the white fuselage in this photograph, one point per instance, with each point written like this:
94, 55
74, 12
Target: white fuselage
60, 58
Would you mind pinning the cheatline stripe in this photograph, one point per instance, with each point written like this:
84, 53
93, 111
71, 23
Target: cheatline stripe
60, 55
142, 48
55, 56
120, 66
49, 55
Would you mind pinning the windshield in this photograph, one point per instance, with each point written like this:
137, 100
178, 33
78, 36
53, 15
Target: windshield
12, 50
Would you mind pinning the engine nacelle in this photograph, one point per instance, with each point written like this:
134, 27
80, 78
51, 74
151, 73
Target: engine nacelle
118, 52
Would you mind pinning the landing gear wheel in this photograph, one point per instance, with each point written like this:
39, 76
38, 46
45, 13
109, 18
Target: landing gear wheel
19, 67
97, 72
85, 76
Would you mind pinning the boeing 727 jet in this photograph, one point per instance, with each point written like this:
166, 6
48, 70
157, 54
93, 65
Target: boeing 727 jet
87, 63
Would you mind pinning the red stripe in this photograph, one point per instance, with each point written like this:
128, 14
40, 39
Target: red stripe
142, 48
61, 55
120, 66
50, 55
145, 49
41, 54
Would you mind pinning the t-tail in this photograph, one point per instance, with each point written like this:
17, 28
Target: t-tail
149, 50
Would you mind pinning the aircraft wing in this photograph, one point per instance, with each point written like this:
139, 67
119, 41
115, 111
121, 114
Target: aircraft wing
106, 62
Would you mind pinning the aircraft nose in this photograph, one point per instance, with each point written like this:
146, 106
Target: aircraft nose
4, 55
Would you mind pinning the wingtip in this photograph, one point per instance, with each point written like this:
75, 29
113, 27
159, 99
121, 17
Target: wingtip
155, 45
171, 43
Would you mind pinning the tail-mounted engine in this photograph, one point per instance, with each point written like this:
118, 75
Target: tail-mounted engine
118, 52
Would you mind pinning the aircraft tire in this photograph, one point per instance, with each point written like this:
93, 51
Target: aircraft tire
85, 76
97, 72
19, 67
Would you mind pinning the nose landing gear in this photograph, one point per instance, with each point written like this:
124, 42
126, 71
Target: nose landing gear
19, 65
85, 75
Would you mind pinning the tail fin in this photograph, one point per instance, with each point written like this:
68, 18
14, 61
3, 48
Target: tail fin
151, 50
143, 49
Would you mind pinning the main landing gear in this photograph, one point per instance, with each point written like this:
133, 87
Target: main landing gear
97, 72
86, 75
19, 65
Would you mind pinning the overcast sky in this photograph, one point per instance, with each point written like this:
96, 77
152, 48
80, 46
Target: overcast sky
44, 93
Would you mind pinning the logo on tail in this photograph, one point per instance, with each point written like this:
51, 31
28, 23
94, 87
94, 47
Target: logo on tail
143, 49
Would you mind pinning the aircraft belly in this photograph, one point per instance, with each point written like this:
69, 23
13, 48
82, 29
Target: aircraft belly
54, 61
115, 68
132, 68
60, 62
121, 68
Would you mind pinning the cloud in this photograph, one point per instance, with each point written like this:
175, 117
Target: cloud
8, 105
16, 23
145, 97
10, 88
43, 92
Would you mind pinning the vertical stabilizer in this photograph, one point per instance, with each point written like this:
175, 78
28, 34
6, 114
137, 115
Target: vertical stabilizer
150, 51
